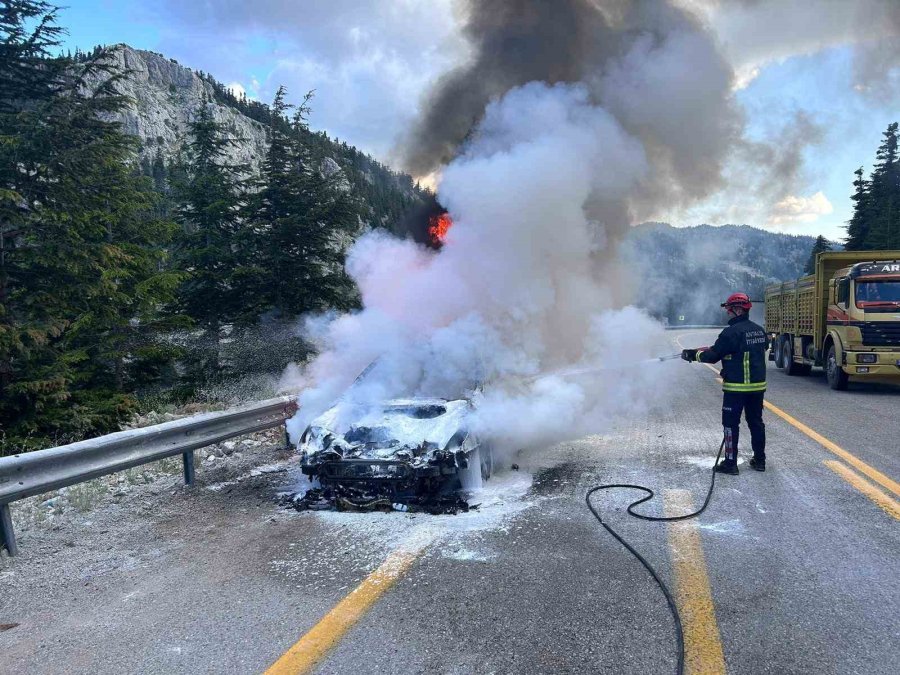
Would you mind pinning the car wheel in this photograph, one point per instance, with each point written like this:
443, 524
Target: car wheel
471, 477
837, 378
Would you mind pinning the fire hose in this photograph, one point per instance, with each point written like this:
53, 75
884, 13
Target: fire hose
679, 632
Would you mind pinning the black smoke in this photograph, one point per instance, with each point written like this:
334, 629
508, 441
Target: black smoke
514, 42
416, 221
652, 65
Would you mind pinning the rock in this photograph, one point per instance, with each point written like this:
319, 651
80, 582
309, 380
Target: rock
164, 97
267, 469
331, 169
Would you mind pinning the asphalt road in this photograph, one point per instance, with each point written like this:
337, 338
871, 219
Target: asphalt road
796, 570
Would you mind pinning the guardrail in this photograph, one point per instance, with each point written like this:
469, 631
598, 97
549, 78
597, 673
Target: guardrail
40, 471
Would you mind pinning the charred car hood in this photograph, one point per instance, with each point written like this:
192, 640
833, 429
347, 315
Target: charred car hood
407, 452
402, 428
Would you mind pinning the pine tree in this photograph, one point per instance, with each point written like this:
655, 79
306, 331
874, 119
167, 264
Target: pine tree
858, 226
875, 223
210, 194
158, 172
884, 228
80, 256
302, 221
820, 246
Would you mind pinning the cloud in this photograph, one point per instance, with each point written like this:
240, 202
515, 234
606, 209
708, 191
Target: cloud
758, 174
755, 33
237, 88
794, 209
371, 63
368, 61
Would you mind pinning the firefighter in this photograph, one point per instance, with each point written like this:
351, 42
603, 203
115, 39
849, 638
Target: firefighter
741, 348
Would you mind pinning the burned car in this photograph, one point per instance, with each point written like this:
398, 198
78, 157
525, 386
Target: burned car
408, 454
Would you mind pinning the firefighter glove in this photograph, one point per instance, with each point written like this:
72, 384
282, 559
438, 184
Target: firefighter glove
689, 354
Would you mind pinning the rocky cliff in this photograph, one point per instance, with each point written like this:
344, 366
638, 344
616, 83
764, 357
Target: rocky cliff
164, 97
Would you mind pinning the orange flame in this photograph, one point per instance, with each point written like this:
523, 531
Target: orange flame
438, 226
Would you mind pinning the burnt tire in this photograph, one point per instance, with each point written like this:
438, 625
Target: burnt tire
487, 462
837, 378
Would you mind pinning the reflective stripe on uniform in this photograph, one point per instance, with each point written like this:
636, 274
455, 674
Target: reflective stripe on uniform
752, 386
746, 367
697, 355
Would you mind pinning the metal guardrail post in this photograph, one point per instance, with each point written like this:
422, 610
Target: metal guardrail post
188, 458
7, 534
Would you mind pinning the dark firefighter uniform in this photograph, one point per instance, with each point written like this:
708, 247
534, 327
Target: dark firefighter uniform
741, 348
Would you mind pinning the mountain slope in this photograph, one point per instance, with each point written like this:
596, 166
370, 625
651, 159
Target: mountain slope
164, 99
681, 272
687, 272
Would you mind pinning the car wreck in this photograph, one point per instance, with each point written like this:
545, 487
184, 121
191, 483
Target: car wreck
407, 454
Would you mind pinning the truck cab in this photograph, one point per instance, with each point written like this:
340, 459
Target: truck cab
864, 316
844, 318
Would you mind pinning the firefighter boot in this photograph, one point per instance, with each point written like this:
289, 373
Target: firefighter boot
729, 464
758, 464
727, 467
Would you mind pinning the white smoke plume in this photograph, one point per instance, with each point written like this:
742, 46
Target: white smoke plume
515, 291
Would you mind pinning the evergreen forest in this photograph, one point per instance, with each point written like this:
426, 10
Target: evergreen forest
875, 224
120, 278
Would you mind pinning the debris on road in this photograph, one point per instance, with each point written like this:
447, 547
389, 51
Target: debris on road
344, 498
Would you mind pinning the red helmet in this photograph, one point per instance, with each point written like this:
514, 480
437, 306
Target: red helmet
741, 300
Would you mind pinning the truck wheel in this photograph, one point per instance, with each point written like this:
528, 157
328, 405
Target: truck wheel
785, 352
837, 378
787, 355
777, 348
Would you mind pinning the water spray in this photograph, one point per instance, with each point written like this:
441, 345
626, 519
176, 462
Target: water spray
590, 370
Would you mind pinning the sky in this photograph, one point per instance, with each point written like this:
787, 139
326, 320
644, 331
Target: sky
817, 77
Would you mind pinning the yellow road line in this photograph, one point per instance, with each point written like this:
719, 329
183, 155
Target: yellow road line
702, 644
888, 504
851, 459
312, 647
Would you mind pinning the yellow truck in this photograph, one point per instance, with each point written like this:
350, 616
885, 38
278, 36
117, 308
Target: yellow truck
844, 318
